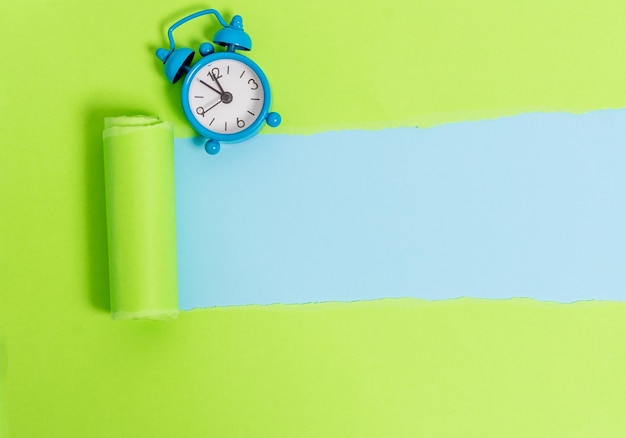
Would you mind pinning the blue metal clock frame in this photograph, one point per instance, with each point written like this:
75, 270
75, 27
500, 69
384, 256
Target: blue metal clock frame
234, 137
178, 64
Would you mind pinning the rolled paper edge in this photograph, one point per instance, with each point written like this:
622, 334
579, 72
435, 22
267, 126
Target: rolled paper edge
155, 315
121, 125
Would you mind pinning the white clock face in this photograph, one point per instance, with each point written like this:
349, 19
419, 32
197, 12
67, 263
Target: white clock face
226, 96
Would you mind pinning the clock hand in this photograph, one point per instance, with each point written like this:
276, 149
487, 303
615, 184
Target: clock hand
201, 111
204, 111
217, 82
214, 89
213, 106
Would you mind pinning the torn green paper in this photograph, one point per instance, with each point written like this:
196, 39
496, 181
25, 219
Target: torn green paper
141, 218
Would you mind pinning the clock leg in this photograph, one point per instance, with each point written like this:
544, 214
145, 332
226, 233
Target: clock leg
212, 147
273, 119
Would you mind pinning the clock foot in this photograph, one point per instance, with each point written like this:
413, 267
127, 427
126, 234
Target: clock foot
212, 147
273, 119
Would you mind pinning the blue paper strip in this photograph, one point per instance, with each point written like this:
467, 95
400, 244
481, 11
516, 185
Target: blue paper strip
525, 206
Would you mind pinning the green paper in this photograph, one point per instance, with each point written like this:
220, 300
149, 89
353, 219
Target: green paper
139, 169
446, 369
390, 368
332, 65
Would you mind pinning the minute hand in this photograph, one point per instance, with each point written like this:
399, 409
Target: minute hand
214, 89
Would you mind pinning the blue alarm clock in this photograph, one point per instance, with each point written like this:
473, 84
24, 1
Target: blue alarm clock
225, 95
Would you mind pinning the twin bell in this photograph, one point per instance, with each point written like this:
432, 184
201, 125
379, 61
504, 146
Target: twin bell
177, 61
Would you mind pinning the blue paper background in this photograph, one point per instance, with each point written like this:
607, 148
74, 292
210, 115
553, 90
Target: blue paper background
524, 206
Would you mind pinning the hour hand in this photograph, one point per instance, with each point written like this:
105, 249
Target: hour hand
214, 77
214, 89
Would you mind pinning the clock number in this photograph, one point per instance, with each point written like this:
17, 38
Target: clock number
201, 111
215, 73
240, 123
252, 81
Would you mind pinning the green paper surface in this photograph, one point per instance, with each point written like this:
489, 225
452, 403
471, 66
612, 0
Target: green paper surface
141, 217
400, 368
331, 65
392, 368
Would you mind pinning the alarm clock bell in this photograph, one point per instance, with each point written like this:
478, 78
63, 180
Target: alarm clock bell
177, 61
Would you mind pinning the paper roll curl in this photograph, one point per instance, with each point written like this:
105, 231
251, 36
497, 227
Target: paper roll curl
141, 217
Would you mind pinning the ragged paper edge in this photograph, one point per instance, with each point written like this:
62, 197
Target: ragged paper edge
114, 126
182, 129
404, 303
154, 315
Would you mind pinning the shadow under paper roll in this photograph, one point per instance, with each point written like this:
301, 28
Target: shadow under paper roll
141, 217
